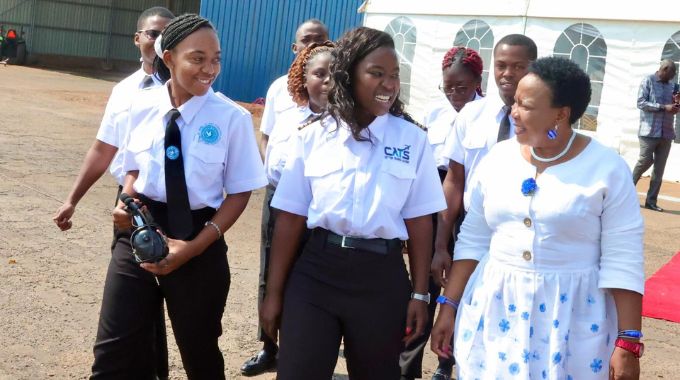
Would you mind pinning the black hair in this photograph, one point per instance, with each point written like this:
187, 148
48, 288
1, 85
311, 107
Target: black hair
519, 40
154, 11
177, 30
569, 85
351, 48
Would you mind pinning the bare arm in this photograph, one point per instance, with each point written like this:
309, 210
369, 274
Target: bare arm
419, 248
181, 251
454, 186
264, 140
97, 159
623, 364
461, 270
288, 231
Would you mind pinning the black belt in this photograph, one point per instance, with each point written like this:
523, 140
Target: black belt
381, 246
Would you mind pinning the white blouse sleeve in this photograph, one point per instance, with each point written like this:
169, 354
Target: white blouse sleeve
622, 258
294, 191
243, 169
426, 195
474, 238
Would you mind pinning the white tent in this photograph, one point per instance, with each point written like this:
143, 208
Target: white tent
616, 42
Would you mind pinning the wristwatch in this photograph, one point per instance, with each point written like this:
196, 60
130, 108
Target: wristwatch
421, 297
636, 348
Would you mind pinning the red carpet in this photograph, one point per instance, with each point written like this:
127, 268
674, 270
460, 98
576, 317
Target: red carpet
662, 292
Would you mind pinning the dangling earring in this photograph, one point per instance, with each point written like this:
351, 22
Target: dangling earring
552, 134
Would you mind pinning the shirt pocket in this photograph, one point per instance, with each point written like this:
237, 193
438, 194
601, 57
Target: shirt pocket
474, 141
206, 166
141, 152
394, 183
325, 180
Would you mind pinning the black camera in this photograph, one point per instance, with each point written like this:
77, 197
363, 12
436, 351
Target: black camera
148, 245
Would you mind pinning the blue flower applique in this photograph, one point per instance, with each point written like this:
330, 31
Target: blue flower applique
544, 374
594, 327
563, 297
502, 356
512, 308
525, 316
467, 334
541, 308
556, 323
526, 355
513, 369
504, 325
590, 300
596, 365
529, 187
557, 357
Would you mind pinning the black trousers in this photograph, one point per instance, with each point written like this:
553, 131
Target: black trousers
411, 359
195, 295
266, 233
334, 293
160, 334
653, 151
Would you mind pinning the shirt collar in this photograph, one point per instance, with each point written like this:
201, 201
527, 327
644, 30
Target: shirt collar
189, 109
377, 129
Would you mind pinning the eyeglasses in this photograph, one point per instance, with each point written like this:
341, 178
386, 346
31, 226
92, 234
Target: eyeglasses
453, 90
151, 34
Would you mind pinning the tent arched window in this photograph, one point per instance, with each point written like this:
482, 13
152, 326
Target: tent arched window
584, 44
672, 51
404, 33
477, 35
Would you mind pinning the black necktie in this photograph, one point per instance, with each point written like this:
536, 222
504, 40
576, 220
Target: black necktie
180, 223
147, 82
504, 128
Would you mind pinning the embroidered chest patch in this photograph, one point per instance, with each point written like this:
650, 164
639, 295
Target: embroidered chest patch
399, 154
209, 134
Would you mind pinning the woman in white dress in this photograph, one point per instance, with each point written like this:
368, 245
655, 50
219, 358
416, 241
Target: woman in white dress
548, 269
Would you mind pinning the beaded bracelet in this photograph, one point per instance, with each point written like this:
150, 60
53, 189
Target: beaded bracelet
448, 301
215, 226
633, 334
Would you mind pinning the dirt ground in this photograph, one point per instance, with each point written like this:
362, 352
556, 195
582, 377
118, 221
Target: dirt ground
51, 282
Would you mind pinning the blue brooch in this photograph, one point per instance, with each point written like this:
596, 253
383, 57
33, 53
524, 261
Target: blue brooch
209, 134
172, 152
529, 187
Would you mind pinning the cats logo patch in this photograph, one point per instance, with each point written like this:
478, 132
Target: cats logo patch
209, 134
172, 152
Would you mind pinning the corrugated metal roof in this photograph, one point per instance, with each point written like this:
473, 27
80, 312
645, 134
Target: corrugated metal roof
256, 37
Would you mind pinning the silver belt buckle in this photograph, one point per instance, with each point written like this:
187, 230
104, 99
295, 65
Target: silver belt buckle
343, 245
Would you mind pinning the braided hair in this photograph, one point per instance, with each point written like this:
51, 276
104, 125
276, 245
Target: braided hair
177, 30
466, 58
352, 47
298, 70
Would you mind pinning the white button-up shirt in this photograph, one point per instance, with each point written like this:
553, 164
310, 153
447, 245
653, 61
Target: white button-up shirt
362, 189
218, 146
278, 100
474, 132
119, 103
439, 122
280, 140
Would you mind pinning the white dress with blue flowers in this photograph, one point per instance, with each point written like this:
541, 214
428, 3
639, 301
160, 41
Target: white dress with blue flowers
537, 305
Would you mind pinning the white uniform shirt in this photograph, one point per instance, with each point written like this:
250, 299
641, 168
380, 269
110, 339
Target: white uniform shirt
119, 103
218, 146
474, 132
439, 121
280, 141
361, 189
278, 101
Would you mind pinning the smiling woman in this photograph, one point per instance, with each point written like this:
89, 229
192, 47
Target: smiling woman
363, 179
187, 147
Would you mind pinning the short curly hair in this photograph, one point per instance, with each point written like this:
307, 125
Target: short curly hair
298, 70
351, 48
569, 85
467, 58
